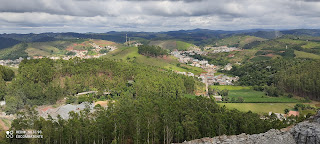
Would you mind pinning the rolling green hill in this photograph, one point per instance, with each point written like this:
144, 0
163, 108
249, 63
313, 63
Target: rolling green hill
167, 62
301, 54
14, 52
238, 41
287, 46
7, 42
172, 44
50, 48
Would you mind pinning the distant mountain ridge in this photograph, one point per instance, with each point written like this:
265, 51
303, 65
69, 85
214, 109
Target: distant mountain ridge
198, 37
200, 34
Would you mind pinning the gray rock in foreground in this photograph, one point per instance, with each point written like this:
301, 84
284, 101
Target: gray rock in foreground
307, 132
270, 137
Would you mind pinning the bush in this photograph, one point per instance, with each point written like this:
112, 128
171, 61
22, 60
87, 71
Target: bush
71, 99
258, 88
70, 53
290, 95
240, 99
103, 51
224, 92
272, 91
85, 98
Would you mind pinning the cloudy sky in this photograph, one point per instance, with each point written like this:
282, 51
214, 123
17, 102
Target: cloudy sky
25, 16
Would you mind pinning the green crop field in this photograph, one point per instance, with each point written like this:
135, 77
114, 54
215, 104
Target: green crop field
251, 96
301, 54
259, 108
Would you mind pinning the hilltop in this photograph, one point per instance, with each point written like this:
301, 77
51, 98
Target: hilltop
172, 44
168, 62
238, 41
58, 48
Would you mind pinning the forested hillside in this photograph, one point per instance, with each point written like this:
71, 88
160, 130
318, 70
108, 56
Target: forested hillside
301, 79
148, 104
44, 81
7, 42
296, 76
148, 118
5, 75
15, 52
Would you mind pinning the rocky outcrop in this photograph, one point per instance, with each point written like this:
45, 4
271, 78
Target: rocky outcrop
307, 132
270, 137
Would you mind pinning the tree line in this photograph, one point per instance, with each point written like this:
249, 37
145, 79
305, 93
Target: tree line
153, 118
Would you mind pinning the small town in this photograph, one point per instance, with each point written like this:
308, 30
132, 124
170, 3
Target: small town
209, 77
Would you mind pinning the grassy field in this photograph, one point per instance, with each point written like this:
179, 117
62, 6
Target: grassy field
190, 96
169, 62
251, 96
303, 43
183, 45
301, 54
238, 40
172, 44
259, 108
242, 56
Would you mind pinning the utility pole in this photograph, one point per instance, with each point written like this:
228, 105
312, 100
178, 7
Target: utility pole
126, 39
129, 42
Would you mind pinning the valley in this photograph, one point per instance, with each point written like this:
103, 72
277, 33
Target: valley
236, 74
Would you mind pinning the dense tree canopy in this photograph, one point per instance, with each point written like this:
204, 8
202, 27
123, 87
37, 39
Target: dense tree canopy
145, 119
297, 76
43, 81
301, 79
6, 73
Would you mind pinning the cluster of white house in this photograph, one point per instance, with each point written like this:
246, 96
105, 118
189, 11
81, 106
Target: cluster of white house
98, 48
184, 58
221, 49
78, 53
209, 77
11, 63
221, 79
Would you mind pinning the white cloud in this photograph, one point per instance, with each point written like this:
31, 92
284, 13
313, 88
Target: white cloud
156, 15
